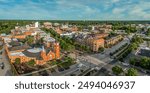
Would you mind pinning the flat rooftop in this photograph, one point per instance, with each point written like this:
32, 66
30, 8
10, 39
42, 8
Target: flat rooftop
144, 52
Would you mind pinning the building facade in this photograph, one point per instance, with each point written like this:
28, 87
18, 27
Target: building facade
47, 48
113, 40
95, 43
39, 55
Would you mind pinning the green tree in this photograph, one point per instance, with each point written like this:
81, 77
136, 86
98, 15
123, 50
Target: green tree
134, 46
68, 61
132, 72
17, 61
101, 49
128, 32
133, 61
30, 40
148, 43
145, 62
7, 25
139, 39
66, 43
31, 62
117, 70
90, 28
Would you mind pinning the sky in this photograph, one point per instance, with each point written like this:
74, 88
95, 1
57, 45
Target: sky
75, 9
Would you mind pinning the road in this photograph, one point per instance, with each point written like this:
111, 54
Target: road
7, 70
117, 46
101, 60
134, 54
104, 60
89, 60
72, 69
105, 57
98, 60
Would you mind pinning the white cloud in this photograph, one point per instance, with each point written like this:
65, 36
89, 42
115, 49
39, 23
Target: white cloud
80, 9
140, 10
115, 1
118, 10
133, 11
28, 10
73, 9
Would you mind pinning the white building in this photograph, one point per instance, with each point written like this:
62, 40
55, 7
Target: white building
64, 26
36, 24
68, 34
93, 27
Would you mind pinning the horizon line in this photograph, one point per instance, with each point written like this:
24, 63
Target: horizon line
72, 20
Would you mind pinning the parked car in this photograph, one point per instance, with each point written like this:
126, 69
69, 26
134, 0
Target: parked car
60, 69
125, 64
2, 65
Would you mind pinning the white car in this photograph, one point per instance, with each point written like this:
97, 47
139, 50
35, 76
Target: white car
125, 64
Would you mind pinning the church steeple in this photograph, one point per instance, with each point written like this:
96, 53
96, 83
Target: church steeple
43, 49
57, 50
43, 53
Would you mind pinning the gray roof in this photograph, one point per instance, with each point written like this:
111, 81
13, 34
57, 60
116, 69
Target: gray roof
145, 52
18, 48
15, 43
35, 55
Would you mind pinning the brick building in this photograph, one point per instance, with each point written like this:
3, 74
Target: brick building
48, 50
95, 43
113, 40
39, 55
47, 25
105, 28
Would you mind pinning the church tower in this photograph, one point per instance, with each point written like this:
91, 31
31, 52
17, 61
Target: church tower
43, 54
57, 50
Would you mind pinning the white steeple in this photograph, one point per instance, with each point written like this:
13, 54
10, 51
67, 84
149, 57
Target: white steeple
43, 49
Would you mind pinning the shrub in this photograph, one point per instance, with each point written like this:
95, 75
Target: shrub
17, 61
31, 62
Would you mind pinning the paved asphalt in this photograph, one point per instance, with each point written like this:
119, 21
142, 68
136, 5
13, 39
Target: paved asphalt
7, 69
105, 57
90, 61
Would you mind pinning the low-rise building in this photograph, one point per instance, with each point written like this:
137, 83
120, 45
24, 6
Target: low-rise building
15, 48
105, 28
144, 51
26, 53
112, 40
68, 34
95, 43
48, 25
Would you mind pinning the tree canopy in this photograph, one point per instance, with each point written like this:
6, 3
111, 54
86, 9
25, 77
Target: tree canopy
132, 72
30, 40
117, 70
17, 61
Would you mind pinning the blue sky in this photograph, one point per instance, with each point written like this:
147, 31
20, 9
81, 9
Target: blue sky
75, 9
